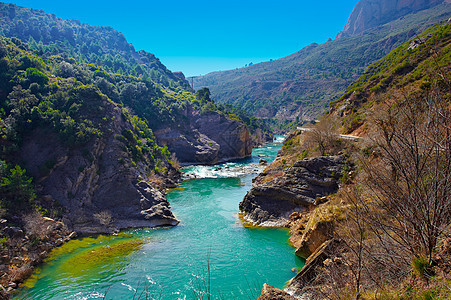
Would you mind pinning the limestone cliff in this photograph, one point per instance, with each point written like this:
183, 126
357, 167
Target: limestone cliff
372, 13
207, 138
99, 186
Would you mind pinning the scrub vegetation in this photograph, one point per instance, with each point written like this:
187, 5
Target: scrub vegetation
393, 226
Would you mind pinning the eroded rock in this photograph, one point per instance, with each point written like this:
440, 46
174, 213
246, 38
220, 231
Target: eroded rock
100, 186
207, 138
310, 271
277, 194
272, 293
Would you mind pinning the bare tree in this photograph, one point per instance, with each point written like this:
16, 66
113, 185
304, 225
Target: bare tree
411, 182
322, 135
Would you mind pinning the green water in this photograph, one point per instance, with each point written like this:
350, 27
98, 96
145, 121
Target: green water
172, 263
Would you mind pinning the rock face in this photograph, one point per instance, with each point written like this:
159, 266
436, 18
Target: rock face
314, 236
208, 138
275, 194
372, 13
311, 269
259, 137
271, 293
99, 186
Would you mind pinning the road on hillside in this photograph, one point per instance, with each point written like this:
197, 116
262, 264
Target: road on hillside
343, 136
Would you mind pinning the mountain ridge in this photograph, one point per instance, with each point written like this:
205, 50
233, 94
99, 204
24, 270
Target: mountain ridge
301, 85
102, 45
368, 14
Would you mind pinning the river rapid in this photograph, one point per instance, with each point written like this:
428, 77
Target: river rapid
210, 251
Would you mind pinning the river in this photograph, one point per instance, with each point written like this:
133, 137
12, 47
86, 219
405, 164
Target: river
209, 251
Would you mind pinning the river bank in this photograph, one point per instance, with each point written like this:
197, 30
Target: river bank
174, 260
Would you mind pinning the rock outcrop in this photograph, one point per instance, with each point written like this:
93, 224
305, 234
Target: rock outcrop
372, 13
272, 293
208, 138
100, 187
311, 269
259, 137
314, 236
276, 194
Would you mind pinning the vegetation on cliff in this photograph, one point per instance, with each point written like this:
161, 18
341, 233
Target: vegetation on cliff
303, 83
103, 46
409, 70
386, 232
35, 93
136, 79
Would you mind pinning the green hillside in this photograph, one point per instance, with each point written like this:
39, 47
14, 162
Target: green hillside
303, 83
38, 93
103, 46
411, 70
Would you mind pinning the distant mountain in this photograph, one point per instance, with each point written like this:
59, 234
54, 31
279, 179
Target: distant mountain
302, 84
372, 13
418, 68
103, 46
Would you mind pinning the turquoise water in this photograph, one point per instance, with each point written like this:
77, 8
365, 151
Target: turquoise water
173, 263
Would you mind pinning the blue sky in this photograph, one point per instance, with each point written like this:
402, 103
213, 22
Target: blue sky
200, 36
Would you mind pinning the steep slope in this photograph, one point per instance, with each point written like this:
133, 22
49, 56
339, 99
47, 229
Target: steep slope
368, 14
86, 153
102, 46
161, 98
393, 185
303, 83
71, 160
407, 71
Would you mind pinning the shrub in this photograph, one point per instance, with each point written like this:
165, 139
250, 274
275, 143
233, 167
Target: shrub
34, 75
38, 227
16, 187
421, 266
104, 217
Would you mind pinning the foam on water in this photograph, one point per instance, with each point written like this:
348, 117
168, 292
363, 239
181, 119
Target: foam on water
170, 263
237, 168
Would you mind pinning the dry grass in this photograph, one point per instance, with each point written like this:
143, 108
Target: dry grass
19, 274
36, 226
157, 181
104, 217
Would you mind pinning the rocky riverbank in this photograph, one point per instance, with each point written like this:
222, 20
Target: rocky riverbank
279, 192
294, 192
101, 187
25, 245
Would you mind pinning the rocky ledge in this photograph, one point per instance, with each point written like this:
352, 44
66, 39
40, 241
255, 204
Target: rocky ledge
277, 193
